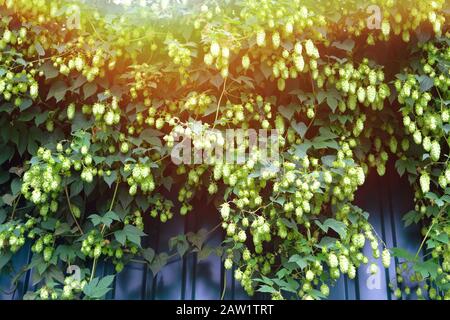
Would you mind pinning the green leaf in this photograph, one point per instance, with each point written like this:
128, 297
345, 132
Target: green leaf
265, 280
411, 217
49, 70
130, 233
124, 197
6, 153
403, 254
298, 260
204, 253
426, 83
321, 96
106, 219
328, 160
158, 262
97, 289
180, 243
300, 128
151, 137
300, 150
26, 103
337, 226
287, 112
148, 254
4, 177
426, 268
76, 187
39, 49
4, 259
41, 118
89, 89
406, 165
434, 197
400, 166
442, 237
111, 178
217, 80
2, 215
16, 185
167, 183
8, 199
266, 289
346, 45
57, 90
197, 239
332, 103
66, 253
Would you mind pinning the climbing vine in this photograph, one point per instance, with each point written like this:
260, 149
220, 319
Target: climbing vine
94, 102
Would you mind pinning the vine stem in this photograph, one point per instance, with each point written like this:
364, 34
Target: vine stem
15, 206
429, 230
43, 59
218, 102
94, 263
213, 229
378, 236
224, 285
95, 30
71, 211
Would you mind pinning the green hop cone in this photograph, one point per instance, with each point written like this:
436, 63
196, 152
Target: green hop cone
371, 94
435, 151
48, 252
225, 211
386, 258
333, 260
361, 94
426, 143
442, 181
417, 136
385, 27
424, 181
71, 111
261, 38
245, 62
352, 271
343, 263
309, 275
